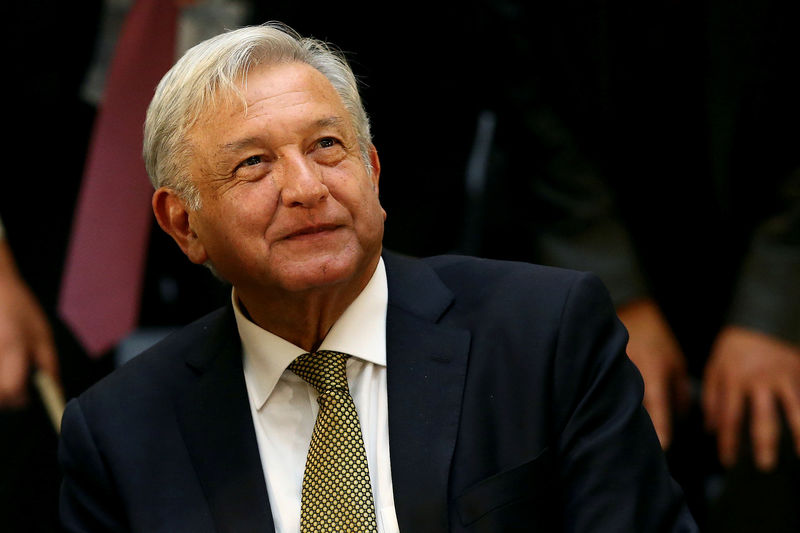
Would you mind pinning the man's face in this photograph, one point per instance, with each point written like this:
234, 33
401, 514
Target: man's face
287, 204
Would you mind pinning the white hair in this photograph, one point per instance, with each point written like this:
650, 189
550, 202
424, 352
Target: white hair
218, 68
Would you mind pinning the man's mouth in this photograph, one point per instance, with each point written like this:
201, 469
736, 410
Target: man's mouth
312, 230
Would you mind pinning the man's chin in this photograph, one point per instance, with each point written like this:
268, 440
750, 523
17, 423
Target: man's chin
319, 272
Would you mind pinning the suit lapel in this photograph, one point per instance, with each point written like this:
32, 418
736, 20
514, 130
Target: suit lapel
426, 367
214, 417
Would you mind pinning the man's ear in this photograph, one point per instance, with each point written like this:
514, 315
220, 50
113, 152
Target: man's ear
376, 167
375, 175
173, 217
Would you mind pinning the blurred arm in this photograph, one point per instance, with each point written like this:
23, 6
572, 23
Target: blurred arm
755, 362
25, 335
654, 350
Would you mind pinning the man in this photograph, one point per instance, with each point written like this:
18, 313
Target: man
487, 396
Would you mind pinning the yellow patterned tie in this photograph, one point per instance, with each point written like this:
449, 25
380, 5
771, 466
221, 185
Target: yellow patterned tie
337, 494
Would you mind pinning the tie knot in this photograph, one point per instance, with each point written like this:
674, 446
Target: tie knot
324, 370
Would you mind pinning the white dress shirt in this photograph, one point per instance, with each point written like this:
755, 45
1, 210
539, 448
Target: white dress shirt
284, 407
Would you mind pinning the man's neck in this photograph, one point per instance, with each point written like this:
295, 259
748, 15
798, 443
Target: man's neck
303, 318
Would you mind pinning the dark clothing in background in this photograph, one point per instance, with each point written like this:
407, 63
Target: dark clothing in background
656, 144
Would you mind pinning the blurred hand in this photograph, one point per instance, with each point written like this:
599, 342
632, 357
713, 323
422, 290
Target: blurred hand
25, 336
751, 369
655, 352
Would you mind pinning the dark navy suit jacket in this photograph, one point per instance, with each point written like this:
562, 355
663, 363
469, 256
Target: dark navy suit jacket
512, 407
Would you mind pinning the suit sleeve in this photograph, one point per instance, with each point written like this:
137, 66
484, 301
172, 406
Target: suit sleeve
767, 295
88, 497
611, 471
578, 225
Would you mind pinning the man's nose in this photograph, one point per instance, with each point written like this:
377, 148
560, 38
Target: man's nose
302, 182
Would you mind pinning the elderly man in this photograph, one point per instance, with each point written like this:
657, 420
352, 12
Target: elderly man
346, 388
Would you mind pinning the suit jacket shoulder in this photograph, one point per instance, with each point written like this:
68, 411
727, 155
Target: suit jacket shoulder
150, 447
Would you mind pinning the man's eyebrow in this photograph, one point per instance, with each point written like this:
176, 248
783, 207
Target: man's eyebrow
330, 121
242, 144
238, 145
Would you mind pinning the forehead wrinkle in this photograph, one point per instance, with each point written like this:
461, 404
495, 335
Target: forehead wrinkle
259, 98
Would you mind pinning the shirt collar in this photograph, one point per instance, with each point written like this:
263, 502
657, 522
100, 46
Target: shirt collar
360, 332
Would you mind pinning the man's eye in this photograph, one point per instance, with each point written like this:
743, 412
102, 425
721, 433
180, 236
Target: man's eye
252, 160
327, 142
